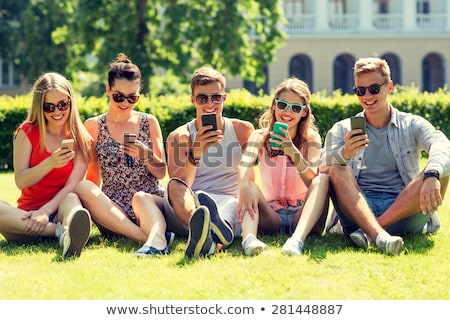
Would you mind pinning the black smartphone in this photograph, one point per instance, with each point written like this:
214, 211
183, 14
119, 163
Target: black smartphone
129, 138
209, 119
276, 129
358, 123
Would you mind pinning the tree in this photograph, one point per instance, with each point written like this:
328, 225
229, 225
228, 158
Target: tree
236, 37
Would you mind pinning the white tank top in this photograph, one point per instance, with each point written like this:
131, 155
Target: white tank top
217, 171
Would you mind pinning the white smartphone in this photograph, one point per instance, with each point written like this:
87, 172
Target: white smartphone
67, 144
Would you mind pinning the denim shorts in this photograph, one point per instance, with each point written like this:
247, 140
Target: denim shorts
379, 203
286, 216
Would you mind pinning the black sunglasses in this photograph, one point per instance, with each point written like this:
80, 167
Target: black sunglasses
50, 107
296, 108
132, 98
373, 89
203, 98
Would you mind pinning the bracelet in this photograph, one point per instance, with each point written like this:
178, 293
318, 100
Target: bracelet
303, 171
192, 159
430, 173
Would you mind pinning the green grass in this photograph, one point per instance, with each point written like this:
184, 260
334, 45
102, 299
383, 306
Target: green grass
329, 269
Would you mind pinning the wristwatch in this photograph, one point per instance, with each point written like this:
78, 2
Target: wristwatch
431, 173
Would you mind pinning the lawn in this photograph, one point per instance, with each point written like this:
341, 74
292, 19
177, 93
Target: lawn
330, 269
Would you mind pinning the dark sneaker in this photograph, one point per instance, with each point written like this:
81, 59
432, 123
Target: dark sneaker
148, 251
77, 234
293, 247
390, 245
360, 239
220, 229
199, 239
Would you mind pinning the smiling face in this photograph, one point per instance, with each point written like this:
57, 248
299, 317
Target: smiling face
287, 116
57, 117
212, 90
374, 103
125, 88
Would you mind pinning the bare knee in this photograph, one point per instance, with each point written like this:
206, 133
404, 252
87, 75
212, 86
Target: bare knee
84, 187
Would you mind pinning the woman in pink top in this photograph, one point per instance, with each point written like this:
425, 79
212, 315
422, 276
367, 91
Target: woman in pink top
293, 196
47, 172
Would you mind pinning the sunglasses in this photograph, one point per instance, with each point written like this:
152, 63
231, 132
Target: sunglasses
203, 98
373, 89
118, 97
50, 107
295, 107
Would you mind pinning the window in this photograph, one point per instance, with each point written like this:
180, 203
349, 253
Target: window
423, 6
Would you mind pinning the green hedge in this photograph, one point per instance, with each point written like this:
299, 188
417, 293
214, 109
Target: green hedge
173, 111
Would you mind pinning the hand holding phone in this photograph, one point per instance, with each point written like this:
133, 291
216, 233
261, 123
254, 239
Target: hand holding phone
276, 129
127, 139
67, 144
209, 119
358, 122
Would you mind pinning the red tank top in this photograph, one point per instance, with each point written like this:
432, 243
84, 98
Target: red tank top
37, 195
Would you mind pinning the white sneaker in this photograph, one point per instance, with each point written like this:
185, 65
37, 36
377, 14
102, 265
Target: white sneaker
390, 245
360, 239
252, 246
293, 247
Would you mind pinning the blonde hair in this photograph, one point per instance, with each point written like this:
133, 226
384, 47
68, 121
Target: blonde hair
307, 122
372, 64
55, 81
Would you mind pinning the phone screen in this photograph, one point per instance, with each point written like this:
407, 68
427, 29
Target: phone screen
276, 129
209, 119
358, 123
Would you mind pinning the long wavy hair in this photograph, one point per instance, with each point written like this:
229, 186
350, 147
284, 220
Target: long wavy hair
307, 122
54, 81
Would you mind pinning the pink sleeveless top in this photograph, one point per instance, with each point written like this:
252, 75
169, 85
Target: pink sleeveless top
280, 181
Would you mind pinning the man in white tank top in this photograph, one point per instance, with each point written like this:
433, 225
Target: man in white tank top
201, 198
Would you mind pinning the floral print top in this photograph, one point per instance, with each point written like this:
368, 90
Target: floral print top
121, 182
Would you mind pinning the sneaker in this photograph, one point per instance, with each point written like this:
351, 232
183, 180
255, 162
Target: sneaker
360, 239
293, 247
390, 245
170, 236
147, 251
252, 246
77, 234
221, 231
433, 225
199, 239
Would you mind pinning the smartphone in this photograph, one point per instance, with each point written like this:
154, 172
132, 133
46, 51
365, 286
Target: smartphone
358, 123
276, 129
209, 119
129, 138
67, 144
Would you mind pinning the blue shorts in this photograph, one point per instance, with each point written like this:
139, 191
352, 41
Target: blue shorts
286, 216
379, 203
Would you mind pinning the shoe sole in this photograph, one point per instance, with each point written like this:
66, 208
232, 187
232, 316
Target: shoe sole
78, 232
221, 229
254, 251
359, 239
198, 231
394, 247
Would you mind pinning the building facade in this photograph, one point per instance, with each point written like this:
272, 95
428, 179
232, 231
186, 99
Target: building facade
326, 37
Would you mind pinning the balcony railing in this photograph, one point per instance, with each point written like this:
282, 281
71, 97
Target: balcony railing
307, 23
